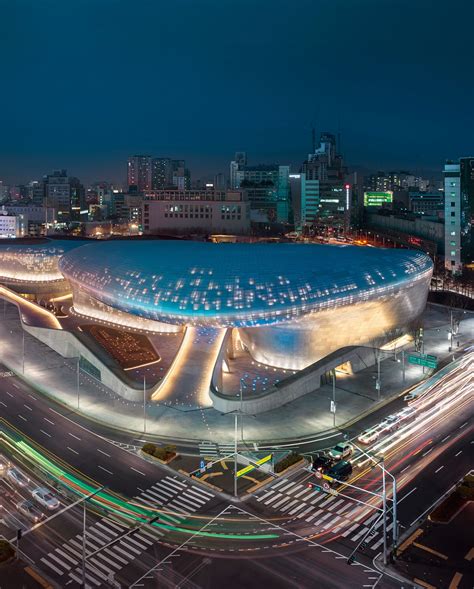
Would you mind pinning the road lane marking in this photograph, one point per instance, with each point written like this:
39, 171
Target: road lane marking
431, 550
52, 566
445, 438
29, 408
139, 471
31, 397
9, 394
21, 417
409, 493
77, 437
463, 425
45, 433
75, 452
15, 385
106, 470
2, 403
404, 469
440, 468
460, 452
49, 421
102, 452
427, 452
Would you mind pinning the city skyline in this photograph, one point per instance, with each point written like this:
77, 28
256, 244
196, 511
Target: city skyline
232, 83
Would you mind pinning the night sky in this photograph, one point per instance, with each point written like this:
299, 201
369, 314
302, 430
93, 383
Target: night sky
84, 83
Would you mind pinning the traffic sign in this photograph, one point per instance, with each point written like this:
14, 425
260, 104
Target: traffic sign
423, 360
333, 407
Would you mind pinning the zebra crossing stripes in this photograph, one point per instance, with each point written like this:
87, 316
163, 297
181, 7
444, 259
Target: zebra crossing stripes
112, 546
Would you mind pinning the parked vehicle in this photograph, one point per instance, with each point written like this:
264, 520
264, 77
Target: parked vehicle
341, 450
29, 510
368, 436
341, 471
45, 498
390, 423
18, 478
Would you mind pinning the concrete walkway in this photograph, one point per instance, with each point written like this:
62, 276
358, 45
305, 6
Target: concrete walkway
55, 376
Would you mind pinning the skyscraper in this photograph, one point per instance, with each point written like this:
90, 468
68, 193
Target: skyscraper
239, 161
324, 178
139, 173
458, 210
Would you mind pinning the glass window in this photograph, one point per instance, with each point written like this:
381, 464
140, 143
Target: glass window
453, 253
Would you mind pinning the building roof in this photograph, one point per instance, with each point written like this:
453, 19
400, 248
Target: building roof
236, 284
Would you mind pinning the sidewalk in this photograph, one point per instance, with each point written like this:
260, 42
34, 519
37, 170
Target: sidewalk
306, 416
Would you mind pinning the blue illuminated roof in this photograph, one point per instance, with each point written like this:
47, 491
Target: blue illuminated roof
49, 247
236, 284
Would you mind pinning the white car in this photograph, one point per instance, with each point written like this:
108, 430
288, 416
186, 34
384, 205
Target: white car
19, 479
410, 396
368, 436
341, 450
45, 498
406, 413
390, 423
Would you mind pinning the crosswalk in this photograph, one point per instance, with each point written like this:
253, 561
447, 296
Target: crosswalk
330, 513
110, 546
213, 450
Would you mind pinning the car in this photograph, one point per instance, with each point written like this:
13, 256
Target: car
341, 471
390, 423
15, 476
29, 510
369, 435
340, 451
410, 396
45, 498
4, 465
406, 413
321, 462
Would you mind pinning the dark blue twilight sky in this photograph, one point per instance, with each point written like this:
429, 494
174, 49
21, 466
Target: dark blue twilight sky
84, 83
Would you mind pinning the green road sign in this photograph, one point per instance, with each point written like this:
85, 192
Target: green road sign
423, 360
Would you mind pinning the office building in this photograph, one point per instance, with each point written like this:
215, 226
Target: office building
196, 211
161, 173
9, 225
458, 211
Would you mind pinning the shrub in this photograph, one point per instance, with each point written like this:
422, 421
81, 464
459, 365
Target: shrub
149, 448
289, 460
160, 453
6, 551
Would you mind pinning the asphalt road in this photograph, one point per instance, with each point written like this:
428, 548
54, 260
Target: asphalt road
300, 553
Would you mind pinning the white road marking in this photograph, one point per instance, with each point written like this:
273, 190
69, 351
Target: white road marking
21, 417
27, 407
105, 469
76, 437
2, 403
139, 471
72, 450
31, 397
45, 433
102, 452
460, 451
52, 566
49, 421
440, 468
409, 493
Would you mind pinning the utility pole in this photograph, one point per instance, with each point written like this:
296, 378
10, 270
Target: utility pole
144, 404
241, 411
23, 353
377, 382
334, 397
78, 373
235, 454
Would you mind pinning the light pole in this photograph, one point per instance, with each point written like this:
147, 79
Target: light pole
403, 365
235, 454
78, 372
377, 382
333, 397
241, 411
23, 353
144, 404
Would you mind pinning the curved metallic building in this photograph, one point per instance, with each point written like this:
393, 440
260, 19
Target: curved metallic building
33, 268
291, 303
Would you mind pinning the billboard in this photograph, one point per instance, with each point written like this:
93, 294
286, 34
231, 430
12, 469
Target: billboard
378, 199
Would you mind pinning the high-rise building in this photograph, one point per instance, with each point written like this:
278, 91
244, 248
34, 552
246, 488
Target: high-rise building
324, 176
139, 173
77, 199
161, 173
238, 163
458, 210
268, 189
181, 177
57, 193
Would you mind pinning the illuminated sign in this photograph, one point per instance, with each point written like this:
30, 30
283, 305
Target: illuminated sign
377, 199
